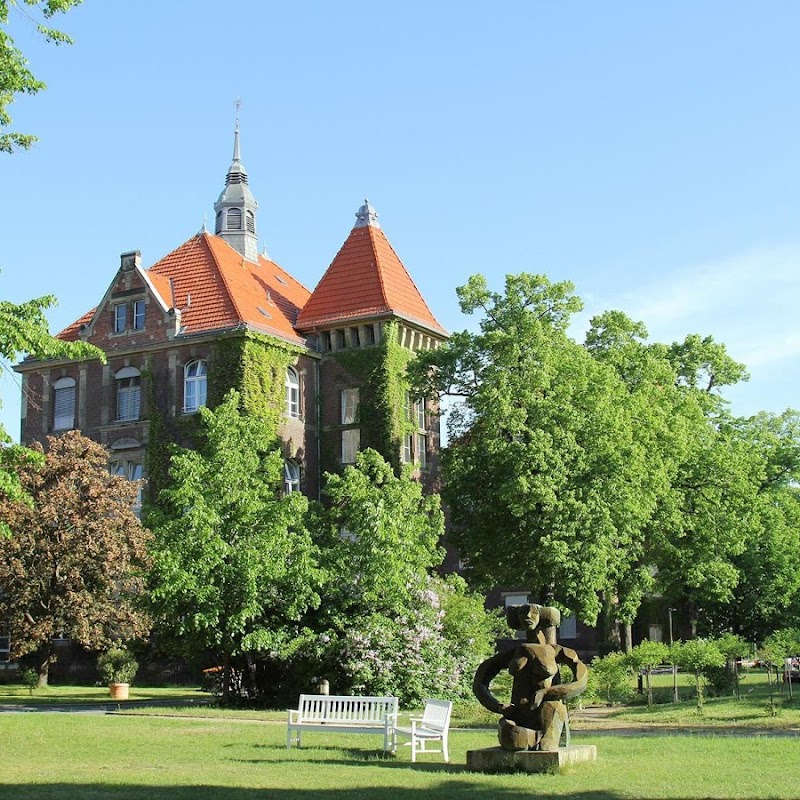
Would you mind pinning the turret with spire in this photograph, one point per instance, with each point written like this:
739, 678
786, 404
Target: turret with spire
236, 208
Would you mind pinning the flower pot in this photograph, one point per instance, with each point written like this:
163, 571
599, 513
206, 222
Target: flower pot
119, 691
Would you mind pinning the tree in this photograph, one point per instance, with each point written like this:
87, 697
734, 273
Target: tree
15, 77
609, 676
697, 655
73, 564
548, 483
234, 568
647, 656
389, 624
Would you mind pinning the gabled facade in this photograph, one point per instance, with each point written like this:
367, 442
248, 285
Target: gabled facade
326, 366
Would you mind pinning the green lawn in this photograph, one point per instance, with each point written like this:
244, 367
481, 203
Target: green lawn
125, 757
15, 694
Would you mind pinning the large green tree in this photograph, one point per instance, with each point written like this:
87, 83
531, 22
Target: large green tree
234, 568
548, 483
15, 76
73, 565
389, 623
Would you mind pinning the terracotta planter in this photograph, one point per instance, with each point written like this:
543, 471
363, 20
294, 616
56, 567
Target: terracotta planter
119, 691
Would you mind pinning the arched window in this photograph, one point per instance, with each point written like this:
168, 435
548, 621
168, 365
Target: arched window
251, 222
291, 477
195, 384
64, 404
234, 219
129, 393
292, 393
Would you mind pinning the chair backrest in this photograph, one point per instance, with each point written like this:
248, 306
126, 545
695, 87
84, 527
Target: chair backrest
437, 714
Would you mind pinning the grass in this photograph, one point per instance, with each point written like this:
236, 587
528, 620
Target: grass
15, 694
126, 757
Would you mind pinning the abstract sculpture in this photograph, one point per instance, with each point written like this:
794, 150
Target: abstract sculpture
536, 715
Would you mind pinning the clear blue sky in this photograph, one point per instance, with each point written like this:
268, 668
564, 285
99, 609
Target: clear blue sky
647, 152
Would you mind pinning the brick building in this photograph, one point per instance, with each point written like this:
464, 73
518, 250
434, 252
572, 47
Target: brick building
213, 312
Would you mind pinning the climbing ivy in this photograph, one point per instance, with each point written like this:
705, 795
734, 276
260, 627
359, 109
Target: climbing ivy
256, 366
251, 363
380, 372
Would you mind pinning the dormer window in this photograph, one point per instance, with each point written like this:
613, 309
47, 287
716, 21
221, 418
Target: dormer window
234, 219
64, 404
251, 222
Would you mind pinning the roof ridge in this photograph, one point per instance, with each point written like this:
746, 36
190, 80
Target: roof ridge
378, 265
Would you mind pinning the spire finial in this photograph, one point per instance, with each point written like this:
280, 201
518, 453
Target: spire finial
366, 216
204, 229
237, 105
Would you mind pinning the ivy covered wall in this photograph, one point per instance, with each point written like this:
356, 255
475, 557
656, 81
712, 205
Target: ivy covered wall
380, 374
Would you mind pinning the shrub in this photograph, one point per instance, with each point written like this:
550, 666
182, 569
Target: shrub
117, 665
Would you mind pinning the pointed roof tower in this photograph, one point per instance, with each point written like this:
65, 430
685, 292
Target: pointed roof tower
236, 208
366, 281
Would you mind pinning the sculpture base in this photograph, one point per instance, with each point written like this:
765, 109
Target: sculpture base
495, 759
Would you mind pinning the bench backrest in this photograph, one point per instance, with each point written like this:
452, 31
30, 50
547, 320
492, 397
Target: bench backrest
346, 709
437, 714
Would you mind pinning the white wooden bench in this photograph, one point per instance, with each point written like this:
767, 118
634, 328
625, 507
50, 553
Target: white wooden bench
339, 714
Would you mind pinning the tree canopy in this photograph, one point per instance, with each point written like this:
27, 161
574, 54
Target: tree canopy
74, 561
593, 473
15, 76
233, 566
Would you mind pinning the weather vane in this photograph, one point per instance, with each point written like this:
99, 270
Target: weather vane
237, 104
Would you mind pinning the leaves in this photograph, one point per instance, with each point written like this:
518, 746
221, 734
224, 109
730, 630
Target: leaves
15, 76
74, 561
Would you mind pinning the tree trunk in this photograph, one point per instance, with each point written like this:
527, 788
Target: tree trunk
628, 637
226, 677
44, 658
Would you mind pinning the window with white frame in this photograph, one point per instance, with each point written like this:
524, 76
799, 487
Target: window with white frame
351, 441
291, 476
129, 394
195, 385
415, 444
64, 404
349, 405
120, 317
655, 633
292, 393
138, 315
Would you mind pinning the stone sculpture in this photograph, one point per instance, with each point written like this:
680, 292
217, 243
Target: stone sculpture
536, 715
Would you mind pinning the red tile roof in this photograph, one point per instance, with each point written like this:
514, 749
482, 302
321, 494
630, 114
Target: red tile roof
365, 280
72, 332
216, 288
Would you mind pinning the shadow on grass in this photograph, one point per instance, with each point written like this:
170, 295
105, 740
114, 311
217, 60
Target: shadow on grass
444, 791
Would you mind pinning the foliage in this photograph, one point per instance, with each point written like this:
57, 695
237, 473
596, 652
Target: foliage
781, 644
15, 77
29, 679
609, 679
73, 564
647, 656
388, 624
24, 329
233, 567
697, 655
544, 448
117, 665
255, 366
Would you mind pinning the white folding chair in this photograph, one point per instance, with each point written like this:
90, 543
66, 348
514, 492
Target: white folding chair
432, 726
